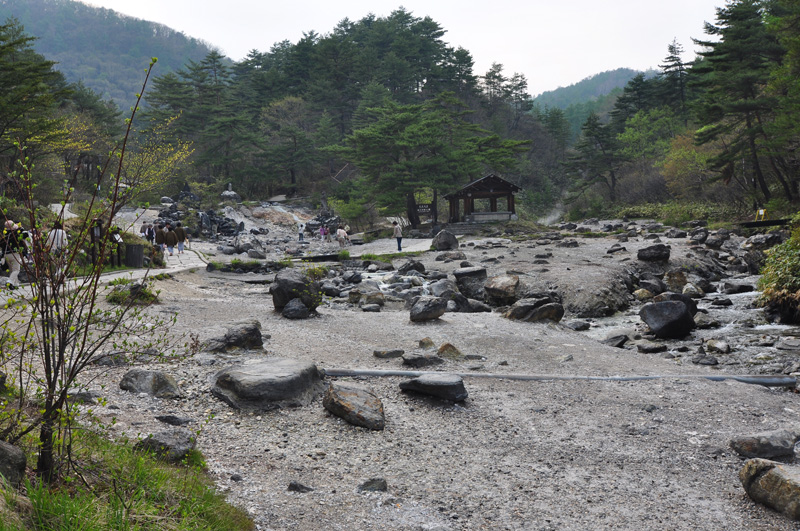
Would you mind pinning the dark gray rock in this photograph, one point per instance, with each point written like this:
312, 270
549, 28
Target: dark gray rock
450, 255
241, 335
372, 308
773, 484
411, 265
617, 341
680, 297
714, 241
444, 288
654, 253
352, 277
428, 308
569, 244
171, 446
578, 325
533, 310
256, 254
374, 485
174, 420
445, 241
355, 404
295, 309
291, 284
776, 443
732, 288
470, 281
762, 241
12, 463
477, 306
648, 347
418, 361
668, 319
153, 383
268, 384
441, 385
702, 358
675, 233
295, 486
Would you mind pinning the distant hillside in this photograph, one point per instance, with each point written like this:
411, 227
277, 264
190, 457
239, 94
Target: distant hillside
588, 89
106, 50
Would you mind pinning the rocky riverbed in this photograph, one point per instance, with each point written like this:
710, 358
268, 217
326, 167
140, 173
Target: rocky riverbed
556, 453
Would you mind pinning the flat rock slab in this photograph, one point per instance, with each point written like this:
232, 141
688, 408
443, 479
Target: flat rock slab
773, 484
421, 360
388, 354
444, 386
153, 383
171, 446
268, 384
788, 343
776, 443
355, 404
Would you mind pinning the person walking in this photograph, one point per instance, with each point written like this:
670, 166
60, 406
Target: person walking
301, 227
183, 237
322, 233
170, 240
397, 232
56, 246
160, 237
150, 234
341, 236
15, 249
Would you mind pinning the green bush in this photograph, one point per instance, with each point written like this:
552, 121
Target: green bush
780, 278
344, 254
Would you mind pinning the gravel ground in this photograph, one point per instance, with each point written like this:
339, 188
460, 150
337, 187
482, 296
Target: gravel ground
554, 454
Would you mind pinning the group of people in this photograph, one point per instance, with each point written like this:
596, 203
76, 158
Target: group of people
342, 235
166, 238
16, 244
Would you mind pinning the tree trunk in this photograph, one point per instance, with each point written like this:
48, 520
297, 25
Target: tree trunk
411, 210
45, 465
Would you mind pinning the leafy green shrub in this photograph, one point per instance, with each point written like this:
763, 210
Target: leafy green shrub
780, 278
344, 254
122, 294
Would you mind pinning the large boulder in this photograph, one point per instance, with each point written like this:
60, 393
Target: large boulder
445, 241
12, 463
654, 253
427, 308
295, 309
501, 289
355, 404
241, 335
444, 288
668, 319
172, 446
774, 484
441, 385
470, 281
154, 383
268, 384
291, 284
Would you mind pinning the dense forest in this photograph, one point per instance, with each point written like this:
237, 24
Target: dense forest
380, 113
103, 49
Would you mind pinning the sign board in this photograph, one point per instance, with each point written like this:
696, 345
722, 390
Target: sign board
424, 208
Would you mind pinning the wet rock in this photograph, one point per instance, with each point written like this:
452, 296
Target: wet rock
241, 335
577, 325
445, 241
698, 235
733, 288
654, 253
12, 463
444, 288
388, 354
427, 308
648, 347
692, 291
268, 384
773, 484
680, 297
703, 321
767, 445
675, 233
295, 309
668, 319
171, 446
411, 265
417, 361
154, 383
441, 385
355, 404
722, 301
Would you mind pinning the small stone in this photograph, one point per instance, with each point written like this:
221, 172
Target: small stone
388, 354
374, 485
450, 352
426, 342
295, 486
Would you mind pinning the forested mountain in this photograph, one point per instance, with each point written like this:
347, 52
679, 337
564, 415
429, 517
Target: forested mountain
380, 113
591, 88
103, 49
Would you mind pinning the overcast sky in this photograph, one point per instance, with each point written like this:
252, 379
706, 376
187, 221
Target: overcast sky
554, 43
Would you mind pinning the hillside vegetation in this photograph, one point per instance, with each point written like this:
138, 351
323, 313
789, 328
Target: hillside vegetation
101, 48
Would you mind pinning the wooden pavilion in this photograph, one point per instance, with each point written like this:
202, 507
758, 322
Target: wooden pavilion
490, 187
